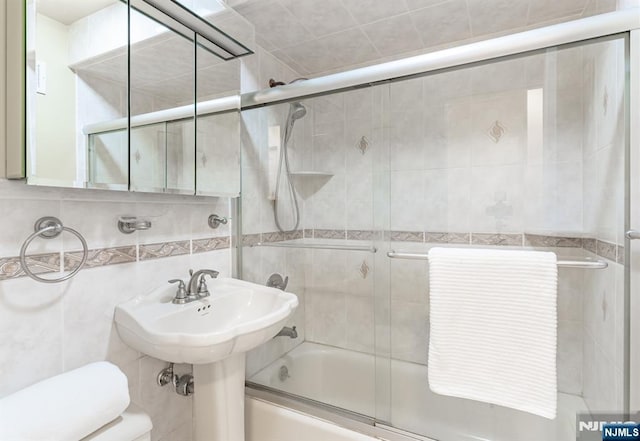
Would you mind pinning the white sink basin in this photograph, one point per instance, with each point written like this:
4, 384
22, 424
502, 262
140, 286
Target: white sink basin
236, 317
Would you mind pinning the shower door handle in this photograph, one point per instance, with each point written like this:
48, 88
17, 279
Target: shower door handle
632, 234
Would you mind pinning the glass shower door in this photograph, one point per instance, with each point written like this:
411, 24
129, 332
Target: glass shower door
520, 153
321, 155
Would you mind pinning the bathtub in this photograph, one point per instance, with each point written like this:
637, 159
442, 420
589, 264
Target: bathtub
347, 379
268, 422
325, 374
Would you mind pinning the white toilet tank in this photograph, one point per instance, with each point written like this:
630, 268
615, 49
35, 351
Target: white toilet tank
132, 425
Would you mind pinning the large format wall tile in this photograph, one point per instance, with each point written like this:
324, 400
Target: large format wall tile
50, 329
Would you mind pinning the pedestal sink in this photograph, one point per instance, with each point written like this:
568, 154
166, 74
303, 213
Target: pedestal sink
213, 334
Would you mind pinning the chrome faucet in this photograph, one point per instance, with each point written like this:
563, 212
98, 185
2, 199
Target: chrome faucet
189, 293
199, 278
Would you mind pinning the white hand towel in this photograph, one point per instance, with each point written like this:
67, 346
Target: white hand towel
66, 407
493, 327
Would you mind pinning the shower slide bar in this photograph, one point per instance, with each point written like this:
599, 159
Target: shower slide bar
583, 263
317, 246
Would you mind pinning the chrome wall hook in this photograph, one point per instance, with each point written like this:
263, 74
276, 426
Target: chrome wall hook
215, 221
129, 224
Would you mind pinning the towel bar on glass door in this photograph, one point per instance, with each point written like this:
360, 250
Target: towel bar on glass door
584, 263
316, 246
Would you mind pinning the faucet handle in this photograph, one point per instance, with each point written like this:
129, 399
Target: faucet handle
202, 286
181, 294
203, 291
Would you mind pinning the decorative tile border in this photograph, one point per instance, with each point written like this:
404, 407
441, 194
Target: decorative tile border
620, 258
405, 236
276, 236
536, 240
163, 249
459, 238
251, 239
513, 240
101, 257
363, 235
329, 234
606, 250
272, 237
10, 267
210, 244
50, 262
590, 245
294, 235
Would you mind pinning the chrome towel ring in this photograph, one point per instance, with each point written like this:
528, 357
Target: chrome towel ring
49, 227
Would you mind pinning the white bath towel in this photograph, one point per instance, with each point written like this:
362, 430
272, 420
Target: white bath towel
66, 407
493, 327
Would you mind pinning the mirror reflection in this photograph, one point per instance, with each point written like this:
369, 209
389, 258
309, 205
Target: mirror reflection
75, 77
143, 115
218, 131
162, 79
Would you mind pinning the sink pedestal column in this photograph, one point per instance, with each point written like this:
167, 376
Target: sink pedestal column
218, 400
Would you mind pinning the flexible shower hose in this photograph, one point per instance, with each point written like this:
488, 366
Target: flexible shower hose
284, 162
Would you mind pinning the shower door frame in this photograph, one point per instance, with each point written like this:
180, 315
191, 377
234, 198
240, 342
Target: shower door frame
625, 25
632, 216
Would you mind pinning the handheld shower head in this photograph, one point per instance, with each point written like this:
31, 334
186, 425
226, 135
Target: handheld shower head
297, 111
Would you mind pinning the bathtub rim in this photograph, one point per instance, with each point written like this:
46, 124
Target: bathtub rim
334, 415
363, 423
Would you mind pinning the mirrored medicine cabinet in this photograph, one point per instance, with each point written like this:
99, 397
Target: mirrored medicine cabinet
138, 95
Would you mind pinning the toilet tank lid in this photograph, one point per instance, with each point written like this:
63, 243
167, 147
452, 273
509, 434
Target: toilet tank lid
132, 424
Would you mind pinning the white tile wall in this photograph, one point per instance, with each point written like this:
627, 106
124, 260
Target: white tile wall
257, 209
50, 329
604, 203
432, 166
447, 174
258, 265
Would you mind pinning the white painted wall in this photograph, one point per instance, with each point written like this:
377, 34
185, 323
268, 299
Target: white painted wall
55, 113
50, 329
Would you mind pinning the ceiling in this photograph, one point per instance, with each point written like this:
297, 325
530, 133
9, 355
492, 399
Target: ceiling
162, 63
165, 70
318, 37
68, 11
